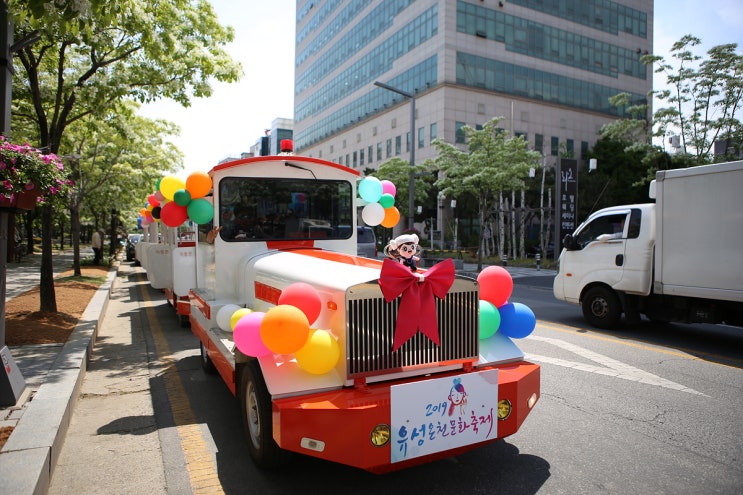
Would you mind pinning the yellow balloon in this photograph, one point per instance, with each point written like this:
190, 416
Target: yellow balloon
320, 354
237, 315
170, 184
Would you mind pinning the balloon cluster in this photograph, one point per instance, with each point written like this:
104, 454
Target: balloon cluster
284, 329
176, 201
513, 320
379, 196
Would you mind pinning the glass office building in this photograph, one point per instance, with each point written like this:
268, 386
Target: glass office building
547, 66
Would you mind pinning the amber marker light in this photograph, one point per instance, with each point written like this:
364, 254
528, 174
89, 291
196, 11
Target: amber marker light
504, 409
380, 435
332, 306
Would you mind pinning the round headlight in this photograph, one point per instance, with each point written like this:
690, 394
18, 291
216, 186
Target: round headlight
380, 435
504, 409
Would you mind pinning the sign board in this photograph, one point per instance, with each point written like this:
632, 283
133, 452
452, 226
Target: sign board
567, 201
444, 413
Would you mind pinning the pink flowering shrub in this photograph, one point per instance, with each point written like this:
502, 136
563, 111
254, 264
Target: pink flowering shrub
25, 168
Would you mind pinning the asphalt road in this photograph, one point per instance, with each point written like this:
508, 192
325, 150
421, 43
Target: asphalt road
648, 409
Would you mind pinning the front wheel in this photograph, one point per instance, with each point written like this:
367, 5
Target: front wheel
601, 307
206, 362
255, 403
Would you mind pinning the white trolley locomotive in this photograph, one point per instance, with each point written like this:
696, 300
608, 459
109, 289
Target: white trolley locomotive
287, 220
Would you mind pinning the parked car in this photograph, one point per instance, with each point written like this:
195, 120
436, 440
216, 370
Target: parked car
131, 244
366, 242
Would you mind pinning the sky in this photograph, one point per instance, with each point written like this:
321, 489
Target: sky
236, 115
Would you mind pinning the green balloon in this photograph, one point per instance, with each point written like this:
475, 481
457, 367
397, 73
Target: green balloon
387, 200
182, 197
489, 319
200, 211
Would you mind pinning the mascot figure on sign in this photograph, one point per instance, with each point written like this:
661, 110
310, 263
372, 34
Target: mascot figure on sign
404, 249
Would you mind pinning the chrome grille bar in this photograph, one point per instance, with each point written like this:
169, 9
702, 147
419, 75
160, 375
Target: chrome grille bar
371, 328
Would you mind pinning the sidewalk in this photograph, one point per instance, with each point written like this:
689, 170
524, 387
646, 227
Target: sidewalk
53, 374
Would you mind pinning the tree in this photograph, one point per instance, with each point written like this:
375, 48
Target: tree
704, 101
397, 171
492, 163
92, 55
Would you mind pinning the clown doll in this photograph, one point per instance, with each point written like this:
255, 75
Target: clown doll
404, 249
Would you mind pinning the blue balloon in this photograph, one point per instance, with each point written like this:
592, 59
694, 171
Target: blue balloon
370, 189
516, 320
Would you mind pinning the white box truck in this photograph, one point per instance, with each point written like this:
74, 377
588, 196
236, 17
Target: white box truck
679, 259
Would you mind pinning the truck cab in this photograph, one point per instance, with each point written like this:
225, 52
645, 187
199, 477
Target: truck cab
611, 253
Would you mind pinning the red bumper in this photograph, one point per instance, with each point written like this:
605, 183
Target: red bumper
337, 425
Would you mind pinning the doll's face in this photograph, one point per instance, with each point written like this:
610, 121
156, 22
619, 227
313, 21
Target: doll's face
407, 250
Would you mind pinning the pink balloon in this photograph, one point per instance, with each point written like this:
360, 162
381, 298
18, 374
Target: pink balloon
303, 296
496, 285
247, 335
388, 187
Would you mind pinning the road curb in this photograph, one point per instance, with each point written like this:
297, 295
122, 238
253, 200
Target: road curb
28, 458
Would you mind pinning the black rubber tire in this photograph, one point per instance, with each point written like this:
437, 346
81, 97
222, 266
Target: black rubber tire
255, 405
601, 308
206, 362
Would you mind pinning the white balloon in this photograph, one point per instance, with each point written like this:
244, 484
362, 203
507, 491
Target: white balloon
373, 214
224, 315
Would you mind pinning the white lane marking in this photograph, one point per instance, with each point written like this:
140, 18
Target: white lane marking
609, 366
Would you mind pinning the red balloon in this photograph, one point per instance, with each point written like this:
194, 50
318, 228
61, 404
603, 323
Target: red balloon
172, 214
151, 199
496, 285
303, 296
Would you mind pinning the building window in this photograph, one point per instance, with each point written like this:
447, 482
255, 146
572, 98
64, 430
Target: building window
421, 137
379, 152
555, 146
371, 154
459, 132
407, 142
361, 158
434, 129
398, 145
570, 148
539, 143
583, 149
389, 148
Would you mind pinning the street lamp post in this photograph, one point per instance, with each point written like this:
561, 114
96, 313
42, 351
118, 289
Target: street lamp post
411, 193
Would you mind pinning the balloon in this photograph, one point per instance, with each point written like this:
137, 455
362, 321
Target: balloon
173, 215
388, 188
247, 335
303, 296
284, 329
391, 217
169, 185
237, 315
370, 189
224, 314
200, 211
387, 200
198, 184
158, 195
182, 197
516, 320
496, 285
156, 212
320, 354
489, 319
151, 199
373, 214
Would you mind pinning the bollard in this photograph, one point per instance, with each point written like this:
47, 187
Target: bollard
504, 259
538, 257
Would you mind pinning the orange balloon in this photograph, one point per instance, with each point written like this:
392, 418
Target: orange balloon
391, 217
198, 184
284, 329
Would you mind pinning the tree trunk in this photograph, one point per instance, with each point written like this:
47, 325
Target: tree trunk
542, 241
47, 296
522, 226
513, 224
75, 226
501, 225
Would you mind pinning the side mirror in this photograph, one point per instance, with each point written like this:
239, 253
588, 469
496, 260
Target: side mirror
605, 237
569, 243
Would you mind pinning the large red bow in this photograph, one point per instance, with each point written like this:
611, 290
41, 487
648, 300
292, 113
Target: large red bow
417, 307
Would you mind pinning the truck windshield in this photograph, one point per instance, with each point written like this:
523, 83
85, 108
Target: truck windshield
253, 209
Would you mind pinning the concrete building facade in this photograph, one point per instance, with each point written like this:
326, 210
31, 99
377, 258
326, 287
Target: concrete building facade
548, 67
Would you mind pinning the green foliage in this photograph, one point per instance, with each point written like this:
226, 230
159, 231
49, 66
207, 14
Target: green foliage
397, 171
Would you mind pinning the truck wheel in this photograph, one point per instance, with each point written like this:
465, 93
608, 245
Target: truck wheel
206, 362
257, 422
601, 308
